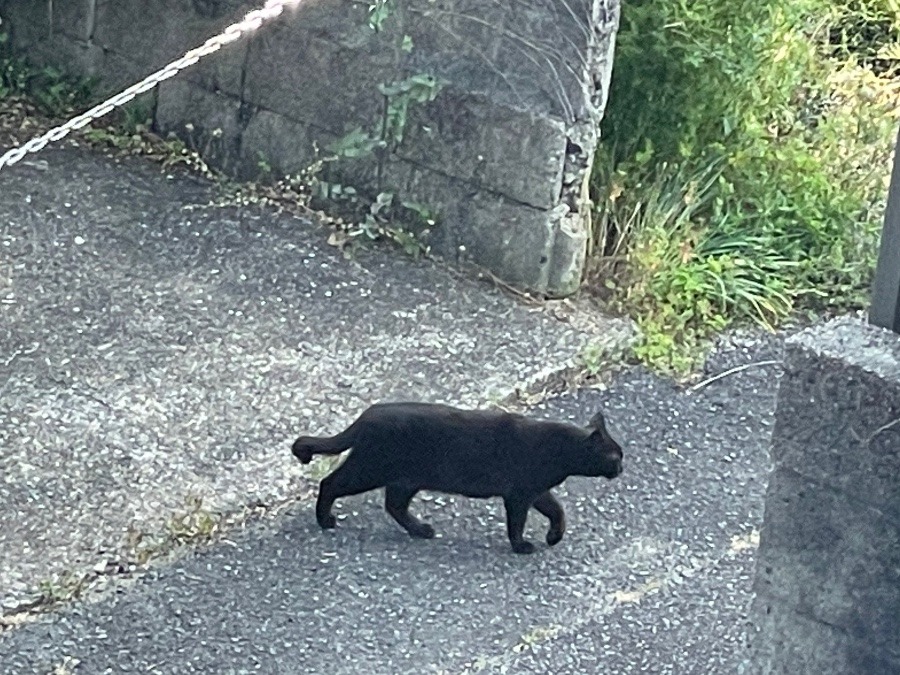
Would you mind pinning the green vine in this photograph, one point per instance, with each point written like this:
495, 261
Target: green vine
384, 137
391, 128
416, 89
379, 12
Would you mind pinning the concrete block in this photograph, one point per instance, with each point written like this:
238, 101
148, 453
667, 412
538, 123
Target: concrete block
830, 542
512, 152
311, 79
38, 23
284, 145
209, 123
831, 557
541, 57
839, 411
789, 643
471, 231
148, 35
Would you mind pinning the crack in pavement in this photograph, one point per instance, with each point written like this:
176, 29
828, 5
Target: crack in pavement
669, 566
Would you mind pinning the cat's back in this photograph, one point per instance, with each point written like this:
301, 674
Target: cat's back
422, 418
426, 429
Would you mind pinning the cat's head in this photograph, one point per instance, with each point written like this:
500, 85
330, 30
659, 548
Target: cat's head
604, 453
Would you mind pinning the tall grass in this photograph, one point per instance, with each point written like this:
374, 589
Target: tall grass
743, 165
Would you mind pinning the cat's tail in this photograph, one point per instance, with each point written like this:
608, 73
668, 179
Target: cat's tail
306, 446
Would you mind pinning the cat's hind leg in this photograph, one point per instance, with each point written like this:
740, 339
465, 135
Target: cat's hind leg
350, 478
396, 503
516, 515
547, 505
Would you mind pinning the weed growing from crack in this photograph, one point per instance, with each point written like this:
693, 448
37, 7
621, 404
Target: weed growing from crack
191, 524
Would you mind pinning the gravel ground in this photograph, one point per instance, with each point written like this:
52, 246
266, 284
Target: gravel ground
652, 577
155, 348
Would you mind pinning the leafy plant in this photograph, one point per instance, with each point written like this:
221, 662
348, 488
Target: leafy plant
381, 215
58, 94
399, 96
743, 167
263, 164
680, 277
379, 11
401, 222
356, 143
193, 523
593, 358
51, 89
61, 587
13, 71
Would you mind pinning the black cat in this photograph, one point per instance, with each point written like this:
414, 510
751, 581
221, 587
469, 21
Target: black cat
407, 447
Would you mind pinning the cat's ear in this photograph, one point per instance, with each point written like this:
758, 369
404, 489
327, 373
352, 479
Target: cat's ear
597, 422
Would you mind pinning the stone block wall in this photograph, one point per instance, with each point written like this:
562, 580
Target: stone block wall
828, 572
503, 154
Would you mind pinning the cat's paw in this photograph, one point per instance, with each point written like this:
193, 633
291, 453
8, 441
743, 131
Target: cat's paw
523, 547
422, 531
328, 522
302, 451
554, 537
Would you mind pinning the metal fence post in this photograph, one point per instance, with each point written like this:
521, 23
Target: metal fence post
885, 309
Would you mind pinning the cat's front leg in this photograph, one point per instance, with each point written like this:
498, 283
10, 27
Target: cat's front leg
547, 504
516, 515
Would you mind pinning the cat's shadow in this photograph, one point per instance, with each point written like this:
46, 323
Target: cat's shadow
465, 530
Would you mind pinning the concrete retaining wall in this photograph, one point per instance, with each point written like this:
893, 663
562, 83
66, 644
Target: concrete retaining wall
503, 154
828, 575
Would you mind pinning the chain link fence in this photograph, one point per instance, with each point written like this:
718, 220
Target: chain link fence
251, 21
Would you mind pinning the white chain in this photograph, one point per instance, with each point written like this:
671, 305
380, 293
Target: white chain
250, 22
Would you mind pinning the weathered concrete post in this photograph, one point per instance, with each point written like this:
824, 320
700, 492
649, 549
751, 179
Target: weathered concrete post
828, 572
502, 154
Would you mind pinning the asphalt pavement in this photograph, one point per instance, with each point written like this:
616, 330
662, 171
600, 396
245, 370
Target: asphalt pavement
161, 342
653, 576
